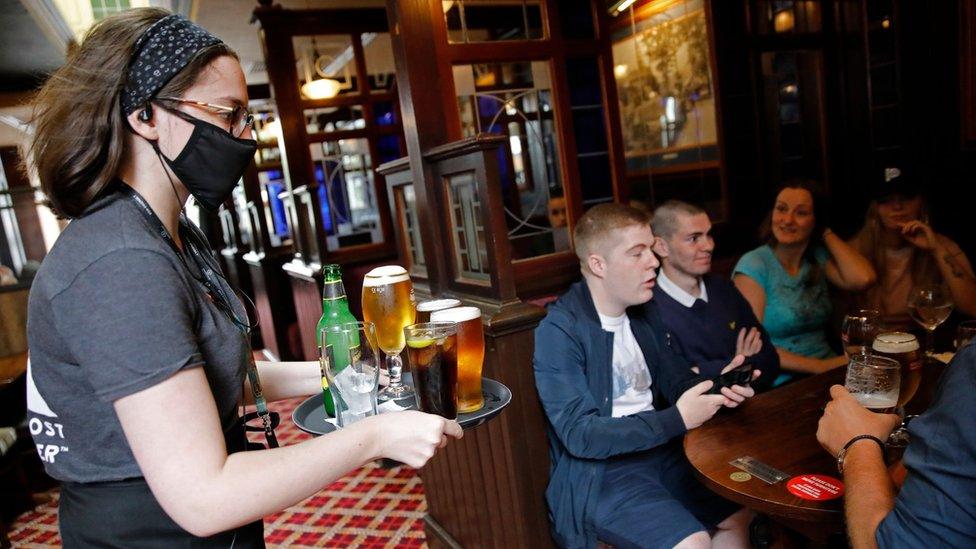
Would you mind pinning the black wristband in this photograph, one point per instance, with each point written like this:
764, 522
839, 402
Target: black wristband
843, 451
860, 437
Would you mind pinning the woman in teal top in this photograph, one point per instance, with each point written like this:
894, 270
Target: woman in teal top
785, 280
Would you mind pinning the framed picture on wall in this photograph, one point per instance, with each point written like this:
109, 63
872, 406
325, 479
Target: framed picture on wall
663, 71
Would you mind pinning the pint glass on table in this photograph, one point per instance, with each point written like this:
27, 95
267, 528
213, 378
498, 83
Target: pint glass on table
432, 355
904, 348
425, 308
470, 354
389, 304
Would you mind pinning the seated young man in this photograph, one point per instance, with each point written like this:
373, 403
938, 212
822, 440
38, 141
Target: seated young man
707, 319
618, 400
936, 505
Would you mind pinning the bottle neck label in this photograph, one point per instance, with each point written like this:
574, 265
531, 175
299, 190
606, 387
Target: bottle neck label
333, 290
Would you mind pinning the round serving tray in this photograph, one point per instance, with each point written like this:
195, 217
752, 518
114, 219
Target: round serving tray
310, 415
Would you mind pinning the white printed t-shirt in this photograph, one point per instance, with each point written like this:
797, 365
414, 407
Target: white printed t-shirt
631, 378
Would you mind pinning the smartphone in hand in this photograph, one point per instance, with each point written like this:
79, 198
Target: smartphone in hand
736, 376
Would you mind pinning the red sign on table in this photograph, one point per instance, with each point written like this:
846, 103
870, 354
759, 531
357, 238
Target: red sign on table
815, 487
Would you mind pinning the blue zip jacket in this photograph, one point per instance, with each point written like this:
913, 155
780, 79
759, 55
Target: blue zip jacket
573, 363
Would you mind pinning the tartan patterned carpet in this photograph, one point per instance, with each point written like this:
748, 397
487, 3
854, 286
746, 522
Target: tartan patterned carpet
370, 507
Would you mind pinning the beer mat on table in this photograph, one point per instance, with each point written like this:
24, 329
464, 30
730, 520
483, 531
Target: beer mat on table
945, 357
310, 415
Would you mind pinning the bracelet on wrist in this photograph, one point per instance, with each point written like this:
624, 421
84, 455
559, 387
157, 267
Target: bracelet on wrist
843, 451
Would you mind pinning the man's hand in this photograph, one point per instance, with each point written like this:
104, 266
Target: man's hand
749, 342
844, 418
696, 407
736, 394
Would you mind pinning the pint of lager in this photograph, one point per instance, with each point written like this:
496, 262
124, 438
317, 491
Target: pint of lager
425, 308
388, 303
904, 348
470, 354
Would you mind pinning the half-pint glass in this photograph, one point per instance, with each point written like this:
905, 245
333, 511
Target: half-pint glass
470, 354
432, 355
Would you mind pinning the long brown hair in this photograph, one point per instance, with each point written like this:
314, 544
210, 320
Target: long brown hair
869, 242
80, 131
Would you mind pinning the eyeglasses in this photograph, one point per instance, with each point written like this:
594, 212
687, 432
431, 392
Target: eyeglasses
237, 117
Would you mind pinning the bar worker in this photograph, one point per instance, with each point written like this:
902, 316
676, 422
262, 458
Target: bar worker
138, 344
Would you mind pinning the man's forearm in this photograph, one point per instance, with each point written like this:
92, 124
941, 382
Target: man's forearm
869, 495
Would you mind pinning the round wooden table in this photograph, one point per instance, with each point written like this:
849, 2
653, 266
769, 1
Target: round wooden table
779, 428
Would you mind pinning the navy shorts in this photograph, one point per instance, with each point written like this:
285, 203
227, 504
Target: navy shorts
652, 499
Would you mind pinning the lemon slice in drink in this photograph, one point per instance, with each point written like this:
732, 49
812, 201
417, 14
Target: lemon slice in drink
419, 343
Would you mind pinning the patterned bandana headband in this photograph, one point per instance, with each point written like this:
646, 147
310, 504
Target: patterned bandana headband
159, 54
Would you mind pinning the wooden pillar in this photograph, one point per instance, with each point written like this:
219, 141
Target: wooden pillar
429, 110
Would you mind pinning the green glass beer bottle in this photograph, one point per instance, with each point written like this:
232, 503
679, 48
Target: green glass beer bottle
335, 311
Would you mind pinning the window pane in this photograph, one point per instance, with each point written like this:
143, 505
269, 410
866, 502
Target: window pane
347, 201
515, 100
406, 210
379, 61
493, 20
467, 232
334, 119
787, 16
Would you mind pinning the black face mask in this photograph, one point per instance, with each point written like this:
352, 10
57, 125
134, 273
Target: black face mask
211, 163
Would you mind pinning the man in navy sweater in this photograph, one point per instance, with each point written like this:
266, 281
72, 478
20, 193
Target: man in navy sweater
707, 319
618, 401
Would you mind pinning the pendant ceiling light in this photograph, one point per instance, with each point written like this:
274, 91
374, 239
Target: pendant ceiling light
318, 85
321, 88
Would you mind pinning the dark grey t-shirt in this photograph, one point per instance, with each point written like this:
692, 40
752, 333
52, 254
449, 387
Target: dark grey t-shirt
114, 311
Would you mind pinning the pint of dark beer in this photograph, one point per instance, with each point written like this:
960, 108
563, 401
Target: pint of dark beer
470, 354
425, 308
904, 348
432, 354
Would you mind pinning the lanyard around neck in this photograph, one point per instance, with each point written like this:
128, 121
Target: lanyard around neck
211, 282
